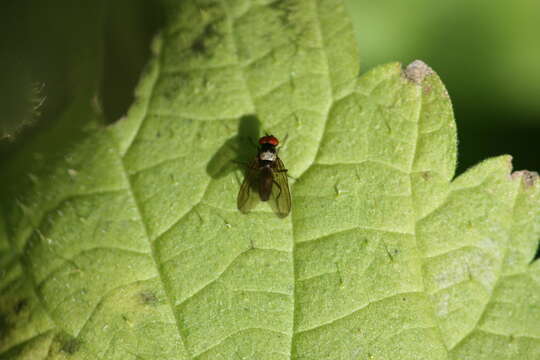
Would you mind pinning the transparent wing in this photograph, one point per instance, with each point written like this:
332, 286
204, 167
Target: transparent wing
281, 195
247, 195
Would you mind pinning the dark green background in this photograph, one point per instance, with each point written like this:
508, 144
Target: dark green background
486, 52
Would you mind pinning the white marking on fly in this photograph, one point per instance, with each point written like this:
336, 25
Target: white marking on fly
268, 155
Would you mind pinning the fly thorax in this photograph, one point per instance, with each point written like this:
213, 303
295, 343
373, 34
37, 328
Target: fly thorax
267, 155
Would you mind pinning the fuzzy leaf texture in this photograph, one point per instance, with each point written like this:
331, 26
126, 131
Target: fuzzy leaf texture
128, 244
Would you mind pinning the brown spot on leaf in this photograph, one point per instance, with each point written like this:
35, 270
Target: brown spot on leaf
209, 37
529, 178
66, 343
20, 306
417, 71
5, 327
71, 346
148, 298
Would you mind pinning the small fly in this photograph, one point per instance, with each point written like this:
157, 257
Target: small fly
267, 176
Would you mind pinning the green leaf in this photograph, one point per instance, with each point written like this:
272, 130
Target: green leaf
126, 243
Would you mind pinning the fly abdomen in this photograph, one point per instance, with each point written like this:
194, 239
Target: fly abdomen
265, 183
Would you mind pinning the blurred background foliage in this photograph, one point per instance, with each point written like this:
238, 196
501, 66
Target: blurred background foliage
486, 52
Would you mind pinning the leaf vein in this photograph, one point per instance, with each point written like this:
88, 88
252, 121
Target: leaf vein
351, 313
215, 279
154, 258
221, 341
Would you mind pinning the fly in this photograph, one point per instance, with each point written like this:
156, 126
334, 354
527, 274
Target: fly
267, 176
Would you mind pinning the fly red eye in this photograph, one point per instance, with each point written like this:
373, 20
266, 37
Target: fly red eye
269, 139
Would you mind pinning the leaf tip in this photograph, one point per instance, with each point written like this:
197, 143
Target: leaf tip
417, 71
509, 162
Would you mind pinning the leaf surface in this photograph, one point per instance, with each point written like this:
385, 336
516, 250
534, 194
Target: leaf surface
129, 245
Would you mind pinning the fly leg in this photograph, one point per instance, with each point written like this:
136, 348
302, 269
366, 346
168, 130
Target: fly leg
244, 164
285, 171
283, 142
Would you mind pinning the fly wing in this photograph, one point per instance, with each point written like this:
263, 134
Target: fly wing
247, 196
281, 195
